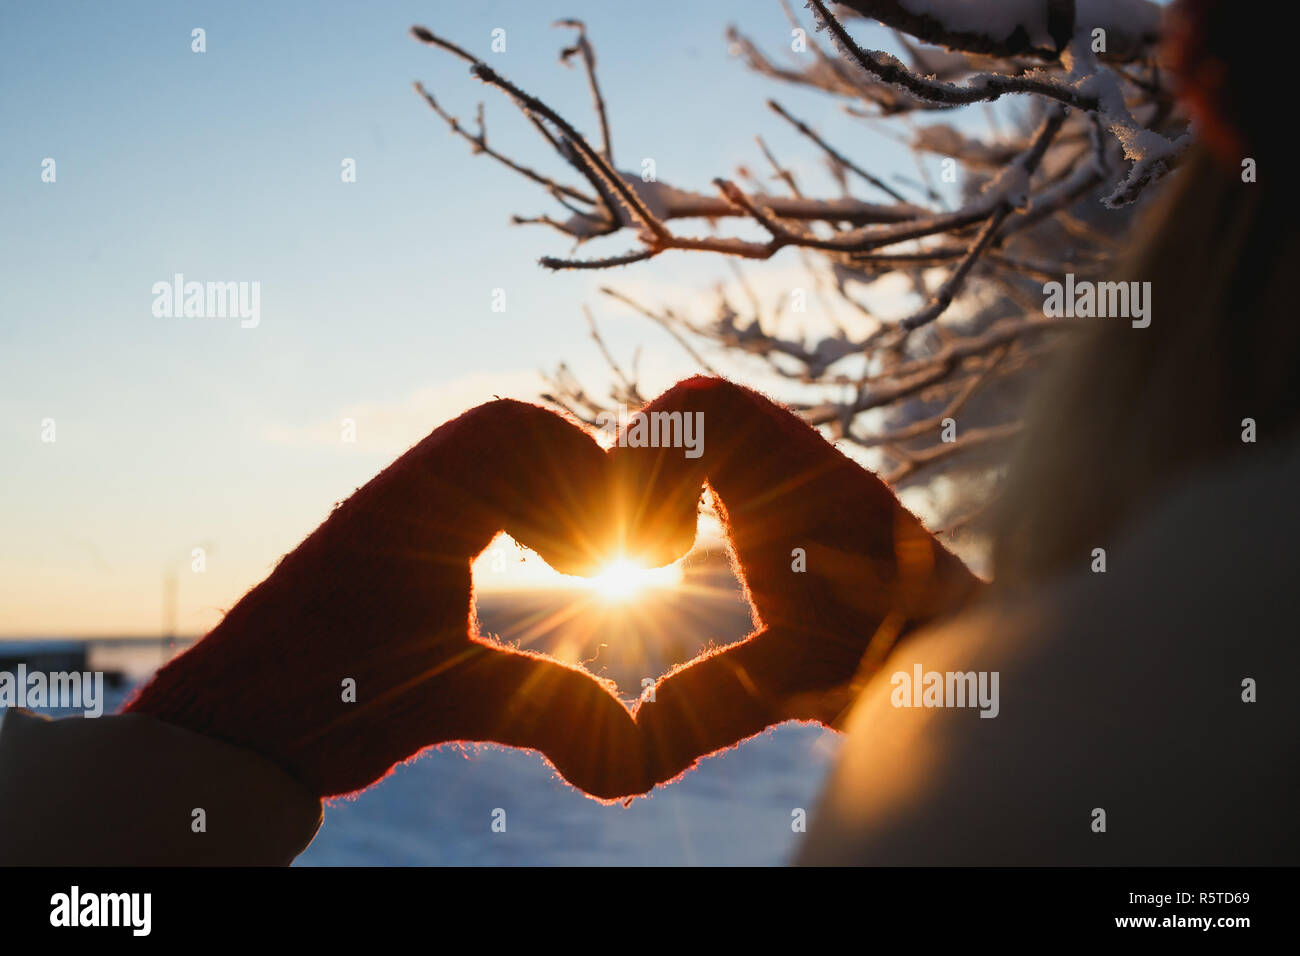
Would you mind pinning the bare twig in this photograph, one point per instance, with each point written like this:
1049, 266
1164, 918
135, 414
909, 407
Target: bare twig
1023, 213
583, 48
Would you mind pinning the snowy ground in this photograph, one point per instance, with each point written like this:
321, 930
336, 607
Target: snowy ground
735, 809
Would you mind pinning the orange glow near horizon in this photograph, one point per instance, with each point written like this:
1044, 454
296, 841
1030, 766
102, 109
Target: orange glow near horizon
506, 566
627, 580
625, 624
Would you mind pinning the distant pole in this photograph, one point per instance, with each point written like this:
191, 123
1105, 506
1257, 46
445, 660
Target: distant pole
171, 583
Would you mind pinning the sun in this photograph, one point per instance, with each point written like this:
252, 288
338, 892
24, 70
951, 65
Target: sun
625, 580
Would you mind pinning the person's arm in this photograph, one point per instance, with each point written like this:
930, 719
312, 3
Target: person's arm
129, 788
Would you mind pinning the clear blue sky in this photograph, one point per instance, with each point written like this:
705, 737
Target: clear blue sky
174, 433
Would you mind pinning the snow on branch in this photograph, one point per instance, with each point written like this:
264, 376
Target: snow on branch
1092, 126
1018, 28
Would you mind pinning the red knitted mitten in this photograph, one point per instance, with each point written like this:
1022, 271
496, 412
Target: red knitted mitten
835, 567
381, 594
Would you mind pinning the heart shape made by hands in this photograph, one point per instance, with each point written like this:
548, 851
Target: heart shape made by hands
379, 598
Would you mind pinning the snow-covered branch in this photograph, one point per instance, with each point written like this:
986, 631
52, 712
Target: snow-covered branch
1094, 126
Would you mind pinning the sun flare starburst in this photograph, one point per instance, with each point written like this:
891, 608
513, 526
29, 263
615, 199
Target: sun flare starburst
625, 580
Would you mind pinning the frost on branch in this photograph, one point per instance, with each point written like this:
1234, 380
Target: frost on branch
1078, 124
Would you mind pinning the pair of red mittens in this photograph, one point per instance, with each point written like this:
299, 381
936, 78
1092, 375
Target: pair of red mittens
381, 595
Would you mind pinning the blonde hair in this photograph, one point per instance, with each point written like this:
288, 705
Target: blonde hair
1126, 411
